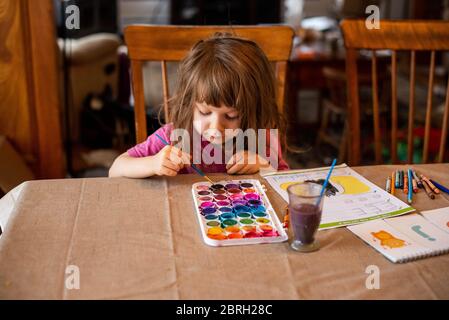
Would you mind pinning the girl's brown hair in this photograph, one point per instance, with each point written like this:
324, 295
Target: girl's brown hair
229, 70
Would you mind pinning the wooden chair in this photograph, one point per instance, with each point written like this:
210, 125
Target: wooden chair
413, 36
172, 43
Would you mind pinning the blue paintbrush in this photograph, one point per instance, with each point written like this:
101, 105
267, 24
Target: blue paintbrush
201, 173
326, 181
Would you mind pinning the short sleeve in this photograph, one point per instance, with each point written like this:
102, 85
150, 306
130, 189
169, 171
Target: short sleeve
152, 145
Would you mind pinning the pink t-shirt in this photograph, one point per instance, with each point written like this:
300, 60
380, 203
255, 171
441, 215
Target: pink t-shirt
152, 145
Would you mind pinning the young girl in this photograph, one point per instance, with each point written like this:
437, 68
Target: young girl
225, 82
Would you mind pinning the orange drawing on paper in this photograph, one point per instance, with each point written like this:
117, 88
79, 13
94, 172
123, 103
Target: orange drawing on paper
388, 240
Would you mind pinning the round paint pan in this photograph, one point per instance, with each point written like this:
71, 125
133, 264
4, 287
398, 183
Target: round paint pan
262, 221
220, 197
259, 214
236, 196
254, 203
266, 228
229, 223
211, 217
234, 191
213, 223
207, 204
240, 208
202, 187
246, 185
223, 210
223, 203
215, 231
203, 193
243, 215
251, 196
226, 216
208, 211
237, 235
232, 229
219, 191
249, 190
246, 222
239, 203
232, 186
205, 199
217, 186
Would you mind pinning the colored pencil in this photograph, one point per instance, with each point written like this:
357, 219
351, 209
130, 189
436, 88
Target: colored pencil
410, 186
418, 180
434, 189
428, 190
393, 183
388, 185
396, 181
415, 185
406, 182
439, 186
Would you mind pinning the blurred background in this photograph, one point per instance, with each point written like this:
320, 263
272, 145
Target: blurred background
66, 107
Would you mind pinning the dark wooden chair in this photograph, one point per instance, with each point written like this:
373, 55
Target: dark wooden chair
172, 43
412, 36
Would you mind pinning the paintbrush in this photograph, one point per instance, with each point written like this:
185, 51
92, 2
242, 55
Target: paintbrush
201, 173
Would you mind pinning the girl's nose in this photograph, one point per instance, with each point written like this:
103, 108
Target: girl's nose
216, 124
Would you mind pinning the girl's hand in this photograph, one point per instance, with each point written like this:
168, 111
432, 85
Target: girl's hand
169, 161
245, 162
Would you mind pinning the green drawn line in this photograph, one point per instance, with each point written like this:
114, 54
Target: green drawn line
382, 216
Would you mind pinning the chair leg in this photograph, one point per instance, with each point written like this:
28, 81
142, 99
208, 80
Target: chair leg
323, 127
343, 144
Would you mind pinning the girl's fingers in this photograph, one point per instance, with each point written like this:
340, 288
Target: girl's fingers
235, 159
236, 168
185, 158
171, 165
166, 171
249, 169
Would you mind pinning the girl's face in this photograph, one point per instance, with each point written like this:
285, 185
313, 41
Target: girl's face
211, 122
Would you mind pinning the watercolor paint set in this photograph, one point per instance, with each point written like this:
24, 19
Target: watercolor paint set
236, 212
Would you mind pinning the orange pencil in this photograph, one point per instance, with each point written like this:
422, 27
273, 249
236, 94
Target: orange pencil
406, 183
393, 188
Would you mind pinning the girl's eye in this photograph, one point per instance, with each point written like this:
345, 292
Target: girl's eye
232, 118
204, 113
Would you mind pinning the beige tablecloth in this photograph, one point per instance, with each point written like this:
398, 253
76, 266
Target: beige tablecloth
140, 239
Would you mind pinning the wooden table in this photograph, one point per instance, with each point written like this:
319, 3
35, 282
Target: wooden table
140, 239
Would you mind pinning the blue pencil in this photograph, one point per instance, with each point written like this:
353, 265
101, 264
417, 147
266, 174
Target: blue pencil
201, 173
439, 186
410, 186
325, 181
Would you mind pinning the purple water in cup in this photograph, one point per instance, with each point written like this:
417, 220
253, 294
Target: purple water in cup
305, 214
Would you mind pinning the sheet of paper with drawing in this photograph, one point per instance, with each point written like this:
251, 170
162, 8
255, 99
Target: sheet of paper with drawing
350, 198
406, 238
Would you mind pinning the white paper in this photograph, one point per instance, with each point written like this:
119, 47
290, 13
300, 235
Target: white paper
357, 200
394, 245
439, 217
422, 231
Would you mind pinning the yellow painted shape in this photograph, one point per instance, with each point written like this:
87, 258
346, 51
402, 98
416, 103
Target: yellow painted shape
350, 184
